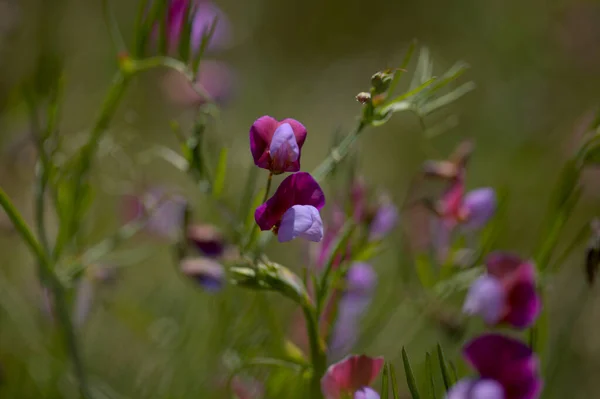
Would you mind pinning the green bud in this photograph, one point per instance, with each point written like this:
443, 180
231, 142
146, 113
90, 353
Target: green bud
381, 82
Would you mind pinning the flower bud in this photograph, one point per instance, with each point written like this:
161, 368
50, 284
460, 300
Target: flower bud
363, 97
207, 239
381, 82
206, 272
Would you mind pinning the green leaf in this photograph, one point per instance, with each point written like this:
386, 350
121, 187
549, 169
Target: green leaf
429, 368
446, 99
410, 378
395, 392
220, 173
398, 74
396, 104
423, 70
444, 368
186, 31
425, 271
385, 391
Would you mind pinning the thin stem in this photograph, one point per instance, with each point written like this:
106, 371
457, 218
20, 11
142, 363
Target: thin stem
255, 229
338, 154
268, 187
317, 352
51, 281
69, 230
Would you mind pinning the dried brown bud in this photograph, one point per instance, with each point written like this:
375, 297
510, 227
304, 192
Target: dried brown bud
363, 97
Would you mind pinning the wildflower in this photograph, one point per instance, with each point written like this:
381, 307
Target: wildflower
276, 145
205, 13
384, 220
163, 213
506, 293
360, 285
471, 211
207, 239
507, 368
351, 377
206, 272
293, 211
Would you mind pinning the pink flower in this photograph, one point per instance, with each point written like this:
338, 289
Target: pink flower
293, 211
506, 293
276, 145
508, 369
351, 377
203, 16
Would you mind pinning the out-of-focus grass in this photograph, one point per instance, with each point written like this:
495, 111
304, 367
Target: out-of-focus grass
155, 335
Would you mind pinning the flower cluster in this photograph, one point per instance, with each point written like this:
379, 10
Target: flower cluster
293, 211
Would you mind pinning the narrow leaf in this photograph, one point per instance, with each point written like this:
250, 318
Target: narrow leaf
398, 74
446, 99
423, 69
407, 95
444, 368
395, 392
206, 38
385, 391
186, 31
410, 378
219, 182
429, 368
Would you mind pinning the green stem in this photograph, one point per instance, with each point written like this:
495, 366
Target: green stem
268, 188
109, 107
317, 352
53, 283
338, 154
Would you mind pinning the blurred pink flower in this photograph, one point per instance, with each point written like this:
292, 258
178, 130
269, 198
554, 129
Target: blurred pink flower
350, 376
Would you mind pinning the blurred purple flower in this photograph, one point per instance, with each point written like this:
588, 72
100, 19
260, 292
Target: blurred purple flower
471, 211
282, 213
203, 17
208, 273
276, 145
207, 239
384, 221
164, 212
217, 79
361, 281
506, 293
351, 377
334, 227
507, 368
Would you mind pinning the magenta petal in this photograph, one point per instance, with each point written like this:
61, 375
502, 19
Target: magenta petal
502, 264
301, 221
297, 189
261, 132
506, 360
524, 305
461, 390
349, 375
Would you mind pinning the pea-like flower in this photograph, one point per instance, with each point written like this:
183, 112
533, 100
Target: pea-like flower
351, 377
361, 281
507, 368
505, 293
205, 13
276, 145
207, 272
293, 211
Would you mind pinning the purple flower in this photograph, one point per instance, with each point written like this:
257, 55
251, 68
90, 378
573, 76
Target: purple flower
276, 145
293, 211
204, 14
360, 285
206, 272
506, 293
384, 221
351, 377
207, 239
479, 206
508, 369
163, 212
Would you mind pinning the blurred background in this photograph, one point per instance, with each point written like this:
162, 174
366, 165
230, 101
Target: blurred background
150, 333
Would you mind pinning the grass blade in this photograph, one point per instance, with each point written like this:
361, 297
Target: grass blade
429, 368
444, 368
384, 382
410, 378
395, 393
